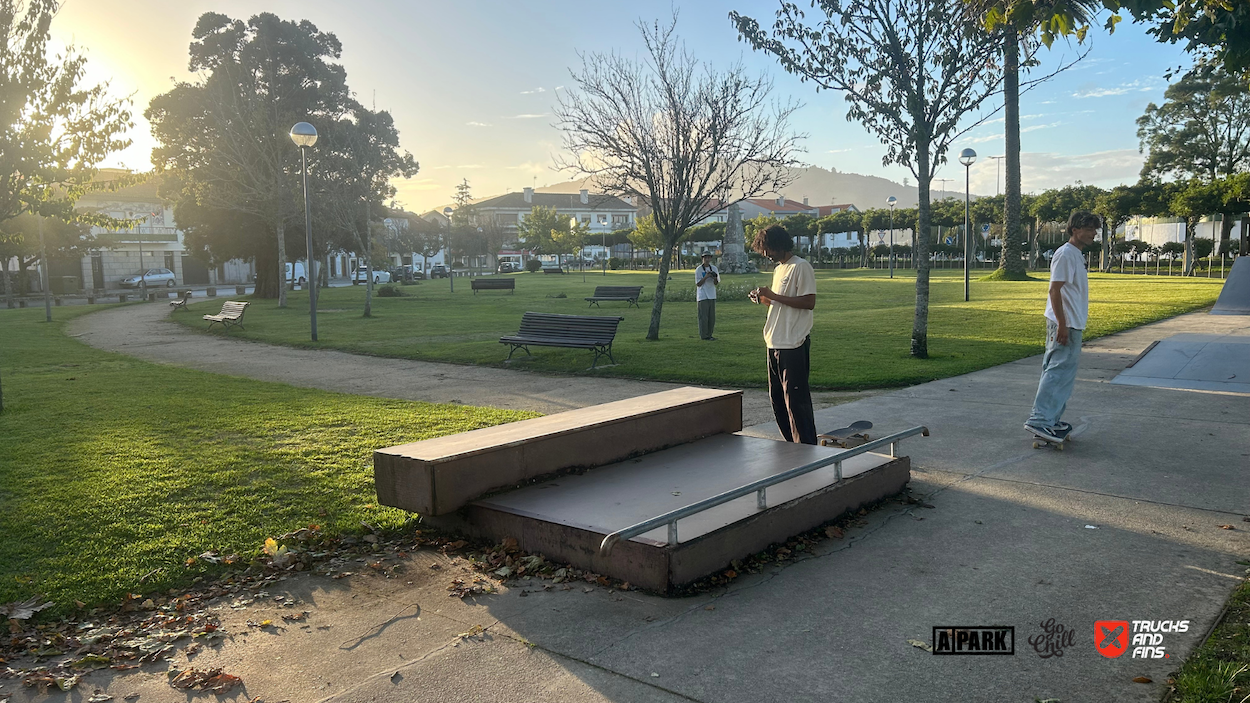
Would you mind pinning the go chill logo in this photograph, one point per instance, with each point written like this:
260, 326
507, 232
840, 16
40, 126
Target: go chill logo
1112, 637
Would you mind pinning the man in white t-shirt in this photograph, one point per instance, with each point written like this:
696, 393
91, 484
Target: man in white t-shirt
1067, 309
787, 333
706, 278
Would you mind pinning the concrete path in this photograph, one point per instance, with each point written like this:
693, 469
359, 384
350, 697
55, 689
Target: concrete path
1124, 525
144, 331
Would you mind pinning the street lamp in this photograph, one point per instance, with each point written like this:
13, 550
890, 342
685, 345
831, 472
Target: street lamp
603, 242
967, 157
998, 173
305, 135
891, 201
451, 272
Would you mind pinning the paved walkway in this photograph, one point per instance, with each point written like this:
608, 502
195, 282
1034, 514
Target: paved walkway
144, 331
1124, 525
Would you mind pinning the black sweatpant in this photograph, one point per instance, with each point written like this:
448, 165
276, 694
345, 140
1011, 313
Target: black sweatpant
788, 371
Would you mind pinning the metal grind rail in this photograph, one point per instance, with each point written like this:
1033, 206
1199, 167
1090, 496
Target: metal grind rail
759, 488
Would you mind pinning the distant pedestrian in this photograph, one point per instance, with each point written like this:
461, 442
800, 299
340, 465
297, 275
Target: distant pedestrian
706, 278
1067, 308
787, 333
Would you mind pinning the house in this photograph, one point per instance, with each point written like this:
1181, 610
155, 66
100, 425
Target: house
600, 214
153, 242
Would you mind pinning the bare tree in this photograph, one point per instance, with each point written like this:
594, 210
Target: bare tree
678, 132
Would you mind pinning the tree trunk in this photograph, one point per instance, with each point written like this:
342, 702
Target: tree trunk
920, 324
1011, 264
1108, 246
653, 332
1245, 236
1034, 229
1226, 231
1190, 225
8, 284
267, 286
281, 229
369, 286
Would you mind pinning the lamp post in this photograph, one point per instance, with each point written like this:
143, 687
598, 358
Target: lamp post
305, 135
967, 157
451, 272
998, 173
891, 201
603, 242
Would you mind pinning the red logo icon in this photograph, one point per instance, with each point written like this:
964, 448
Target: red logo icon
1111, 637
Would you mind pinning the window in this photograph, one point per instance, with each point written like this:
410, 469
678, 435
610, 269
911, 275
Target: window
620, 220
585, 219
603, 219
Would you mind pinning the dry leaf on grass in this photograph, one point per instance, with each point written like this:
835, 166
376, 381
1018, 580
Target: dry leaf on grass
920, 645
1142, 679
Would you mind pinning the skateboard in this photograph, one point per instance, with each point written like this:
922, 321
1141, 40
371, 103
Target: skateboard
1040, 440
846, 437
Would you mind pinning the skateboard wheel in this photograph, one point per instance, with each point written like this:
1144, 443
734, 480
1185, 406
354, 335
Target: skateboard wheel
1037, 445
1059, 446
866, 437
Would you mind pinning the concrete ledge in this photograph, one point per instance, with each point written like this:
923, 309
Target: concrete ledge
438, 476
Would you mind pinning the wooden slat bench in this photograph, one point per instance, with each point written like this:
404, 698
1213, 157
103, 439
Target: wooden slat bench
540, 329
627, 294
180, 303
478, 284
553, 269
231, 314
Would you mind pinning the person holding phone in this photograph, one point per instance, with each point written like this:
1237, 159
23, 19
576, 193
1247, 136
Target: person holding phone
706, 278
787, 333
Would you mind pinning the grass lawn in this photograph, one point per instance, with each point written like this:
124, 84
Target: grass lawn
112, 468
861, 337
1219, 670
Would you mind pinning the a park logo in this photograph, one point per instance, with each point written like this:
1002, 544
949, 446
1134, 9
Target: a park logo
1111, 637
988, 639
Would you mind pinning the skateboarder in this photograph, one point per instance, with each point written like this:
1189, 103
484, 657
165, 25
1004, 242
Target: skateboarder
706, 278
1067, 307
787, 333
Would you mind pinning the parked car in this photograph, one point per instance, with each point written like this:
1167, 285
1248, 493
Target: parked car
361, 275
439, 271
154, 277
406, 274
508, 267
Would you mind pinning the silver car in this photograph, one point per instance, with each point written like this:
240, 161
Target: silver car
154, 277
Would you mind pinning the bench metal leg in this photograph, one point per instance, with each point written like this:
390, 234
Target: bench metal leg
602, 351
516, 347
593, 304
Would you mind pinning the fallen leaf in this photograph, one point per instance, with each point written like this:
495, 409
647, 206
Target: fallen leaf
1226, 527
1142, 679
99, 698
833, 532
23, 610
920, 645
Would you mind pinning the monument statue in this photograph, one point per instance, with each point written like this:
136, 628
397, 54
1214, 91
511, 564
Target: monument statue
733, 254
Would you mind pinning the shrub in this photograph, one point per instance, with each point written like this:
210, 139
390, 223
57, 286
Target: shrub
557, 295
390, 291
615, 263
684, 294
533, 265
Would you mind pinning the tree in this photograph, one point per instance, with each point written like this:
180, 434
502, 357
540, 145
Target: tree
19, 238
54, 132
1202, 129
646, 235
1115, 207
354, 162
535, 228
1208, 27
225, 136
910, 70
845, 221
682, 134
1192, 201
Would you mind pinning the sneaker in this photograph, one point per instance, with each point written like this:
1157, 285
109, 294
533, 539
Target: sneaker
1046, 432
1063, 427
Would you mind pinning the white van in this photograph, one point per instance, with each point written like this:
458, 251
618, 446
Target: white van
300, 276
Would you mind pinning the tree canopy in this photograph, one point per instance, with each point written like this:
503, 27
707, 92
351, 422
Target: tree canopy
1202, 129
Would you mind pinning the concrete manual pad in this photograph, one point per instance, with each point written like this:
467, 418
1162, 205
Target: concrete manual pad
1235, 295
623, 494
1202, 362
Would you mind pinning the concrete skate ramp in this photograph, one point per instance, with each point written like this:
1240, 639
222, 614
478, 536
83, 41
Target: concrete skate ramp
1235, 296
1201, 362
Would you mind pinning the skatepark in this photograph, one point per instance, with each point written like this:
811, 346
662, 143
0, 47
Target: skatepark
1129, 523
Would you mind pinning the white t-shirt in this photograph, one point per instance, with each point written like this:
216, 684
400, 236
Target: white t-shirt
707, 291
787, 327
1068, 265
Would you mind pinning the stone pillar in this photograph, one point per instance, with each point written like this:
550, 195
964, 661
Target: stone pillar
733, 254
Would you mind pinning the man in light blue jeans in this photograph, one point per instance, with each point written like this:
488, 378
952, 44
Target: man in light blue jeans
1067, 309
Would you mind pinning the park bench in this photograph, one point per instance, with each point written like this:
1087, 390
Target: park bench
627, 294
180, 303
553, 269
493, 284
231, 314
541, 329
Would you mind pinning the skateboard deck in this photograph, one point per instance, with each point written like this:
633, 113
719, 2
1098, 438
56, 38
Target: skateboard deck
846, 437
1040, 440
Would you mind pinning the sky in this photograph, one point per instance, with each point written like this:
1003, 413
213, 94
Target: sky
472, 85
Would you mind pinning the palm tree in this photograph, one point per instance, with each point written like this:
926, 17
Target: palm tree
1016, 29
